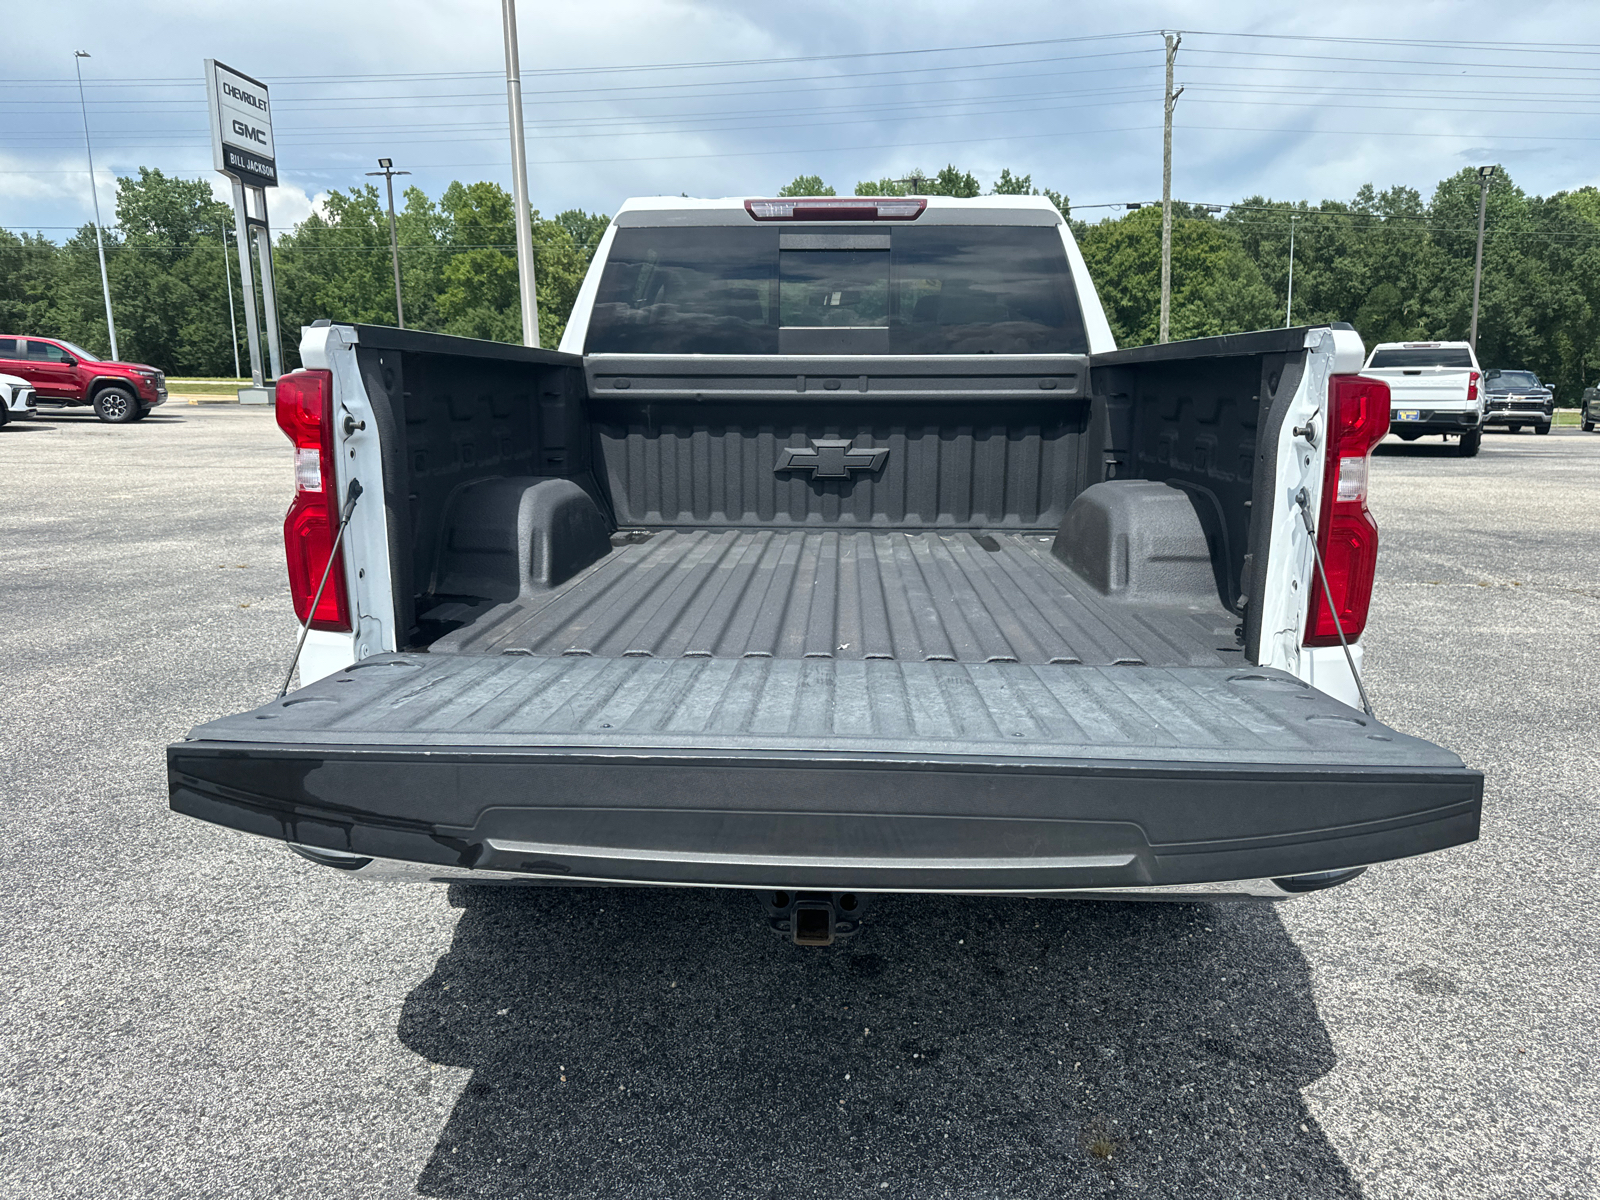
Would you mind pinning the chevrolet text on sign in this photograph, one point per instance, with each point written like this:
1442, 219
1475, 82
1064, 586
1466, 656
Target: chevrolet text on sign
241, 126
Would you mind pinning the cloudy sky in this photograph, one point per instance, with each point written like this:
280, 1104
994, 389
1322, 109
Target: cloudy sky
710, 97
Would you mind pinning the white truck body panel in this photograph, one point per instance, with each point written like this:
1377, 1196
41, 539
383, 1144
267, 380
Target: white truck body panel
366, 540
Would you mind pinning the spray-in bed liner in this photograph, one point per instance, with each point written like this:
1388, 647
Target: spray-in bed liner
914, 597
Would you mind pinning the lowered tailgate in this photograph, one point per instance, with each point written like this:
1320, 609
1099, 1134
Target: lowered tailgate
828, 774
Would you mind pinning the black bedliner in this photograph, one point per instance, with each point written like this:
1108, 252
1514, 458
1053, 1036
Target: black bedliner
847, 594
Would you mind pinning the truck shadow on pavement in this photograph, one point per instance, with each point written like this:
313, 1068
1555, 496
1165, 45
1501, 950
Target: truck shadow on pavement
647, 1042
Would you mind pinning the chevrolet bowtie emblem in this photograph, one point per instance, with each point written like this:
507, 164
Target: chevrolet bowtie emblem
831, 458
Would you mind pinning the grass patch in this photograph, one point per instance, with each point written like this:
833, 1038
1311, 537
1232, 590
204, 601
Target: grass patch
204, 387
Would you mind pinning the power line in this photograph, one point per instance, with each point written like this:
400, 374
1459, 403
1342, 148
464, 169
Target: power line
630, 67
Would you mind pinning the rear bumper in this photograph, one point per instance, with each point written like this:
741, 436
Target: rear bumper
388, 870
826, 821
1432, 420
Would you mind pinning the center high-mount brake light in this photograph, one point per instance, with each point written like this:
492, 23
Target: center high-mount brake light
828, 208
1346, 532
305, 414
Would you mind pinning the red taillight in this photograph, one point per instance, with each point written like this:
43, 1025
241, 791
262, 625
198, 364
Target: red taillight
827, 208
1346, 533
1472, 386
305, 414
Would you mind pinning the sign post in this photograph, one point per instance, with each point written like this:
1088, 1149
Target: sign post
243, 150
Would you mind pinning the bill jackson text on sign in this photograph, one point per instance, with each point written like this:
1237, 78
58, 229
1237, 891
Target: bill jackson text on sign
245, 163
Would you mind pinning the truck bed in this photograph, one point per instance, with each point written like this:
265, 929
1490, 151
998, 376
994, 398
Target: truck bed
846, 595
610, 631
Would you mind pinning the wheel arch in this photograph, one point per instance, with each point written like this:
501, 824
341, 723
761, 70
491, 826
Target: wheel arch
100, 382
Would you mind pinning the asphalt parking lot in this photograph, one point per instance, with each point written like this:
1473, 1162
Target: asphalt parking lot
192, 1012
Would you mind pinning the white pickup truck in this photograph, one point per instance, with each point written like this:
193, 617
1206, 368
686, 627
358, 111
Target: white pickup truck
839, 550
1434, 387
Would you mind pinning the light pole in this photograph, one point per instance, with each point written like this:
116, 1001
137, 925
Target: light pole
233, 321
105, 282
394, 243
519, 178
1484, 175
1288, 308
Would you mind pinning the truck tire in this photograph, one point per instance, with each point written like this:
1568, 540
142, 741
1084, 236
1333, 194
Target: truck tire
1588, 426
1542, 428
1470, 443
116, 405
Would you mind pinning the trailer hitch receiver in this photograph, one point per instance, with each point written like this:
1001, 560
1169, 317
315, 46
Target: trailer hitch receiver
813, 918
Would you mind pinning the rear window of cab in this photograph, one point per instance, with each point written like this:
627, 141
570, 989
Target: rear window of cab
939, 289
1441, 356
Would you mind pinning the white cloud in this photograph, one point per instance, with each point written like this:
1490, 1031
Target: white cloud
287, 204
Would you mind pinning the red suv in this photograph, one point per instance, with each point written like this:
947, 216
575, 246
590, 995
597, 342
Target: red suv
62, 373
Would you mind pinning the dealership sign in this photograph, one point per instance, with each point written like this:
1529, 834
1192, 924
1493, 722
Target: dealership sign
241, 126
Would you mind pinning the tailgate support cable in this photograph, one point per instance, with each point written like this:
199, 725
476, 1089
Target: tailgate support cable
352, 496
1303, 499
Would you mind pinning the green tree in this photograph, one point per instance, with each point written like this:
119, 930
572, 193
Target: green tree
806, 185
480, 296
168, 282
1014, 185
1022, 185
29, 266
952, 181
1216, 288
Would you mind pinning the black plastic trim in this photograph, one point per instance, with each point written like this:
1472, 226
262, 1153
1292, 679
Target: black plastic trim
838, 821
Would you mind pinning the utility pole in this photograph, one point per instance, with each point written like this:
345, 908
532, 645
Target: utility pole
519, 179
105, 282
1174, 40
1484, 175
1288, 308
394, 241
233, 320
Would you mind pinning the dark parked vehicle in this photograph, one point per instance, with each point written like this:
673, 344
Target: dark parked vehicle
1517, 398
65, 374
1590, 412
